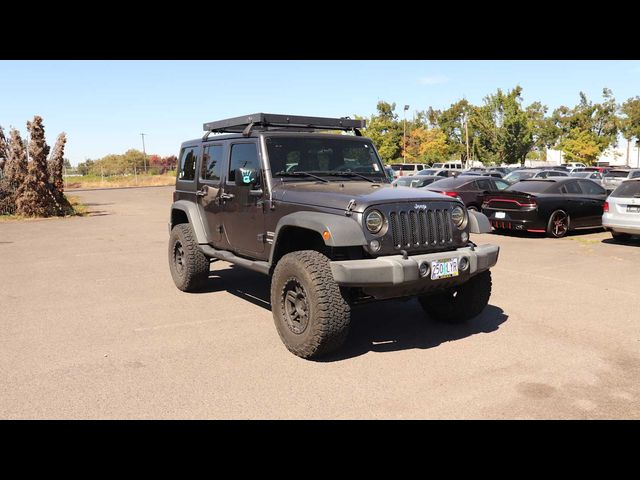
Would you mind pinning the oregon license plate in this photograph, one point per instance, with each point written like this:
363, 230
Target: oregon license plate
444, 268
633, 208
500, 214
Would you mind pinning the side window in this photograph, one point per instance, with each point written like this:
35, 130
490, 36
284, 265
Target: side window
420, 167
243, 155
590, 188
635, 174
483, 184
571, 187
187, 170
212, 163
501, 184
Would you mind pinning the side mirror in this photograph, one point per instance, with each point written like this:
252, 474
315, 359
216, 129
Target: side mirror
246, 177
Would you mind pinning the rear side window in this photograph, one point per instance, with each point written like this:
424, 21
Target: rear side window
627, 189
483, 184
501, 184
420, 167
617, 174
571, 187
243, 155
635, 174
212, 163
188, 158
590, 188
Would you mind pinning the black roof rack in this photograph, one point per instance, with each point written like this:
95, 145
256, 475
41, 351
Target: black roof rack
270, 121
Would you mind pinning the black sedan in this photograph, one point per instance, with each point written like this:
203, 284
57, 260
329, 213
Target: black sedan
468, 188
553, 205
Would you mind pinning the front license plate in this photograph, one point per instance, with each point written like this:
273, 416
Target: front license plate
444, 268
500, 214
633, 208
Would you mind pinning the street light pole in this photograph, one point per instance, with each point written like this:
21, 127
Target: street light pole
404, 136
144, 152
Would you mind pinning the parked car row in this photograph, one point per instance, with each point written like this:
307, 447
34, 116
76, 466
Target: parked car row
545, 201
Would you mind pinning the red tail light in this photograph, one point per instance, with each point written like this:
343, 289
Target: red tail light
606, 206
450, 194
527, 202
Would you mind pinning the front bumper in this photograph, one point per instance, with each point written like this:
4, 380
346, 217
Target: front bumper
394, 270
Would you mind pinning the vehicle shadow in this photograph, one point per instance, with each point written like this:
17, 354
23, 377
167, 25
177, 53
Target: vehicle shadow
525, 234
396, 325
251, 286
385, 326
632, 241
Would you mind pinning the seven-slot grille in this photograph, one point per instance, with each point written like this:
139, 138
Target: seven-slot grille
415, 228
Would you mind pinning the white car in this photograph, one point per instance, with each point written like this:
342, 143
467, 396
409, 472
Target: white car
406, 169
622, 210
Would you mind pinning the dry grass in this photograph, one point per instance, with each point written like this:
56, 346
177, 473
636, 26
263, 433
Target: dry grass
119, 181
79, 210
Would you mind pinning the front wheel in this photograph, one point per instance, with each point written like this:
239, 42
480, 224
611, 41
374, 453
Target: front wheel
460, 303
310, 313
558, 224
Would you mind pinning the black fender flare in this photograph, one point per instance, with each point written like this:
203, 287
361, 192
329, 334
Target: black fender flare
343, 231
195, 219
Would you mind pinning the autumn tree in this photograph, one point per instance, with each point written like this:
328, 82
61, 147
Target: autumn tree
4, 150
55, 166
35, 195
15, 171
426, 145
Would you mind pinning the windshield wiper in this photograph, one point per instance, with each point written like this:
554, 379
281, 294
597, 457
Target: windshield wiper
348, 174
282, 173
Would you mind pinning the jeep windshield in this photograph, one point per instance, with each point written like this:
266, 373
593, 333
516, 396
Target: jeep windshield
331, 158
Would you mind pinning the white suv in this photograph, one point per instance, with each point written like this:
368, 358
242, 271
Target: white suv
407, 169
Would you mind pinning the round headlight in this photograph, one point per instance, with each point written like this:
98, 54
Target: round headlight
374, 221
459, 217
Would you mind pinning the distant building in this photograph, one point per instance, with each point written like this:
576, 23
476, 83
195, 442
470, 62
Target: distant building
611, 156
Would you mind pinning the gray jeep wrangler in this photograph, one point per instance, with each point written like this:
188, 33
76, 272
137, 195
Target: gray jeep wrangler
317, 213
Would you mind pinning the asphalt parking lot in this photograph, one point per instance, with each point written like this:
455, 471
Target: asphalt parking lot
91, 326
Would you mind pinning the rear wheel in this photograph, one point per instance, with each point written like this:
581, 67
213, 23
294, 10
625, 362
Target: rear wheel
189, 267
558, 224
460, 303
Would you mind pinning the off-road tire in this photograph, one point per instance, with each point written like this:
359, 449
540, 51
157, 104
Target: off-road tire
325, 326
460, 303
620, 235
190, 268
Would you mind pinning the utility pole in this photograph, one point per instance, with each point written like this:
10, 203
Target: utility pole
404, 137
466, 132
628, 143
144, 152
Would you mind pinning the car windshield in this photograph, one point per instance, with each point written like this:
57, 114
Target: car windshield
437, 165
413, 181
429, 171
531, 186
519, 175
627, 189
343, 158
617, 174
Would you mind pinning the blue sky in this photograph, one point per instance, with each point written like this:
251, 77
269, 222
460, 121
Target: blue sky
105, 105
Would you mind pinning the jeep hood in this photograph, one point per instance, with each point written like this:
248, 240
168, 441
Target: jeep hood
339, 194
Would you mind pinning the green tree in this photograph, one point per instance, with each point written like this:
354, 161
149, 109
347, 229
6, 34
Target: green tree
587, 124
452, 123
506, 133
630, 122
385, 131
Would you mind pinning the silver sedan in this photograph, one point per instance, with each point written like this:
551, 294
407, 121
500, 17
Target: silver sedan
622, 210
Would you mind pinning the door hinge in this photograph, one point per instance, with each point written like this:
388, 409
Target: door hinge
351, 205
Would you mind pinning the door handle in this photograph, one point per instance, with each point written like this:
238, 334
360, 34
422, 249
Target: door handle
226, 196
202, 192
